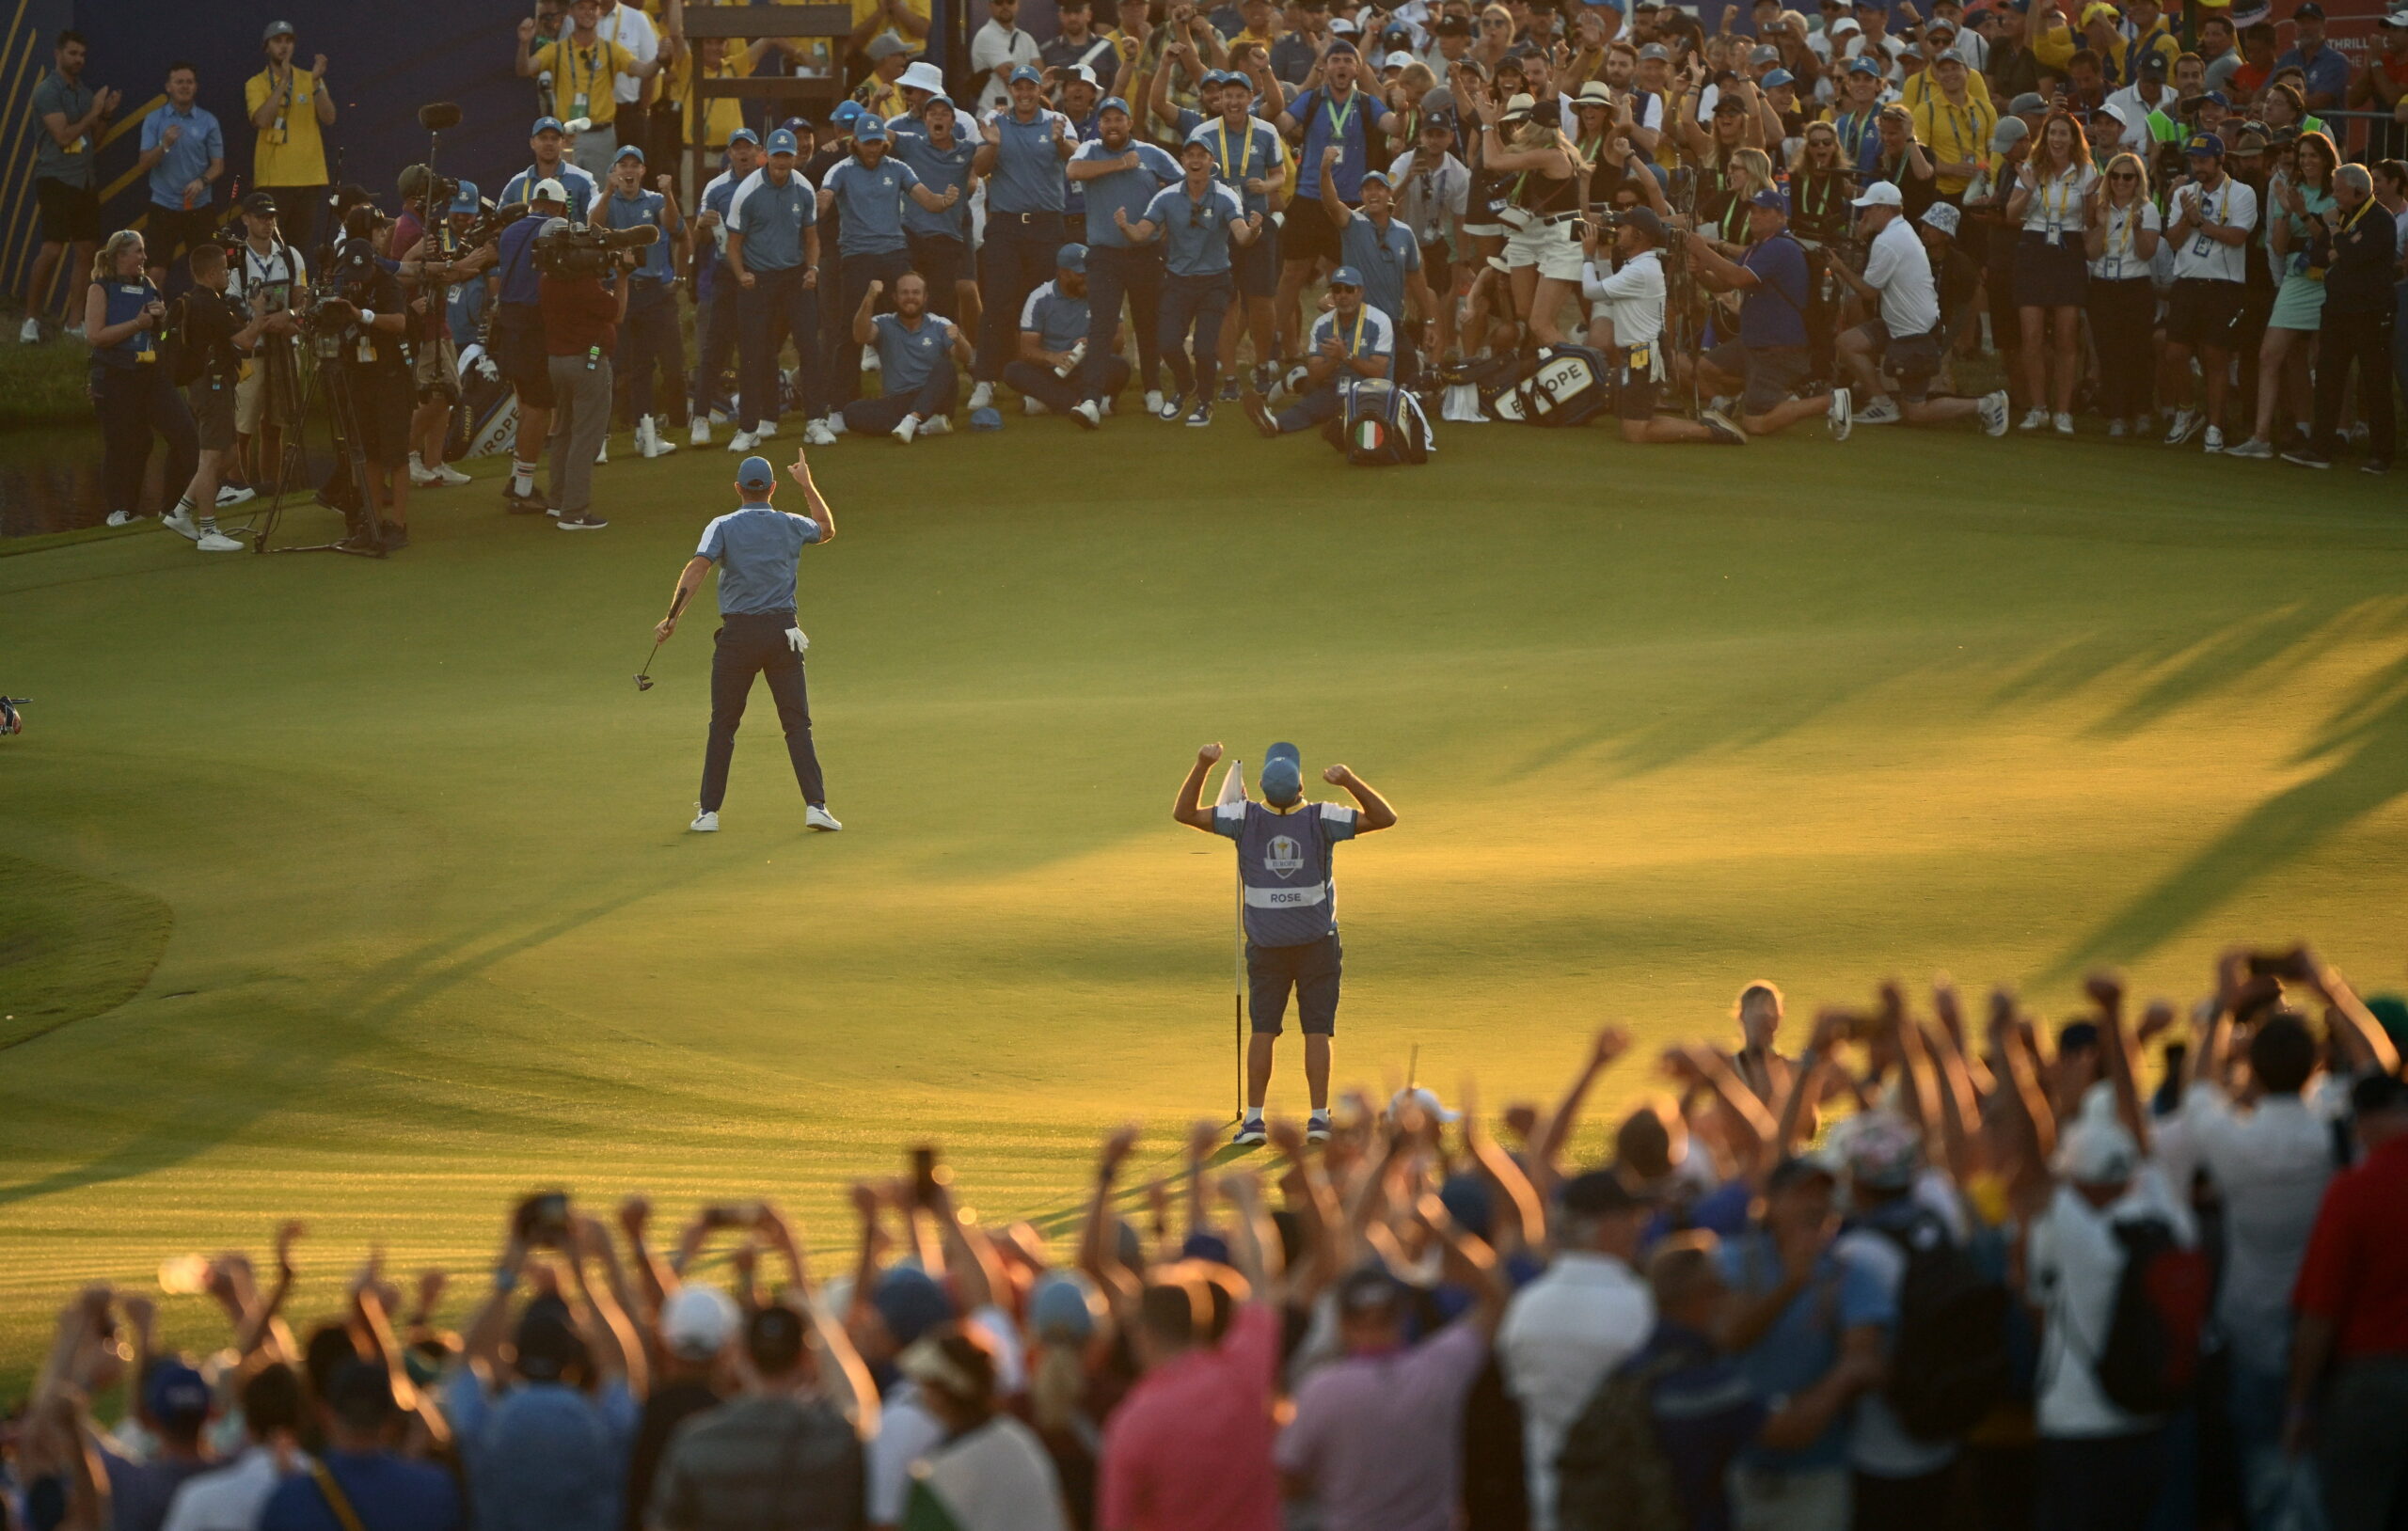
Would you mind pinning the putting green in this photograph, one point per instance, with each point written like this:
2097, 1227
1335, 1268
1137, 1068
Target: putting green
1657, 722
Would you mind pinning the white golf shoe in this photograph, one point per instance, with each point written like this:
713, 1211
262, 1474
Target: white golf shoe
816, 818
705, 822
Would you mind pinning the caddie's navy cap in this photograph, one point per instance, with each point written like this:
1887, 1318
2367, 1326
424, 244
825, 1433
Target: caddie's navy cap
756, 473
2204, 143
1283, 774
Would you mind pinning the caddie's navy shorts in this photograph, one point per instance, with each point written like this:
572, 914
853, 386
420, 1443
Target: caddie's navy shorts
1311, 969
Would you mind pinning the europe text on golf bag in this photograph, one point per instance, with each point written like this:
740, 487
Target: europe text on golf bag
1379, 425
1571, 385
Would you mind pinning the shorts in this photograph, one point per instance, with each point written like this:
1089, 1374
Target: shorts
1771, 373
519, 351
1439, 270
1256, 266
2050, 275
249, 394
70, 214
380, 397
435, 372
1635, 400
174, 231
213, 411
1311, 969
1307, 234
2203, 312
1912, 360
1549, 246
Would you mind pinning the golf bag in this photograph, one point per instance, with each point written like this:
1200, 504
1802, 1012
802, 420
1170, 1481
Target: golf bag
1379, 425
486, 419
1568, 385
1472, 387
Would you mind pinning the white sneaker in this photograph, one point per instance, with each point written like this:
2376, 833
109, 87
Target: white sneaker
1839, 416
905, 431
424, 477
701, 434
122, 518
935, 425
182, 525
1153, 401
2064, 424
1087, 415
2216, 440
1882, 411
602, 454
2033, 419
1993, 408
869, 358
2185, 426
1033, 406
1317, 1126
744, 441
2253, 450
705, 822
820, 818
764, 431
2114, 430
243, 494
817, 434
445, 471
648, 442
982, 396
29, 333
217, 542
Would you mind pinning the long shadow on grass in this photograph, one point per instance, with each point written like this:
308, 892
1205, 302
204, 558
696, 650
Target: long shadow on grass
2366, 746
279, 1071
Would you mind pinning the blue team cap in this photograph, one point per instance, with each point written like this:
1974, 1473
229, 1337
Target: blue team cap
1112, 103
1866, 66
743, 135
1345, 276
1772, 198
1340, 46
990, 419
869, 131
1028, 73
2206, 144
1214, 77
629, 151
847, 110
782, 142
1380, 176
1775, 79
467, 199
177, 1395
546, 124
2218, 98
1071, 258
756, 473
1283, 771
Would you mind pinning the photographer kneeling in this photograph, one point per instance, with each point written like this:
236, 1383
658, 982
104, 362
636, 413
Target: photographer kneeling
1630, 323
377, 354
585, 296
1771, 355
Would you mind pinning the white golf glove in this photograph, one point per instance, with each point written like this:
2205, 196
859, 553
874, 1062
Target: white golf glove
798, 641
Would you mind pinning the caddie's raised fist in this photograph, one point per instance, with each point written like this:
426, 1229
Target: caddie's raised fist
1335, 775
1209, 753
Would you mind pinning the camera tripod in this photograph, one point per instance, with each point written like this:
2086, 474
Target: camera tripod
329, 387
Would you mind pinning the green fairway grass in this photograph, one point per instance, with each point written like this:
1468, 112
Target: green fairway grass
1657, 722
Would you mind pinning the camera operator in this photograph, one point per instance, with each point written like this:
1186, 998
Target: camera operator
715, 289
1771, 356
653, 340
1904, 333
212, 331
582, 309
267, 276
1629, 305
516, 342
377, 352
123, 313
425, 247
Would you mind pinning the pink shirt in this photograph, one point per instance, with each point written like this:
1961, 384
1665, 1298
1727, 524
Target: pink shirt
1381, 1437
1190, 1448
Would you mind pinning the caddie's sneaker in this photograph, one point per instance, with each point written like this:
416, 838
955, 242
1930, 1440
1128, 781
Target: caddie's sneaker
122, 518
1842, 422
1030, 405
29, 333
705, 822
2034, 418
817, 817
2064, 423
2255, 448
1201, 414
214, 541
2214, 442
1154, 402
1169, 407
1251, 1133
1316, 1128
602, 453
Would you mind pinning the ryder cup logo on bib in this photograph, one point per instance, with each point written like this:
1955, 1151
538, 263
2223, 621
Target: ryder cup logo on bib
1283, 855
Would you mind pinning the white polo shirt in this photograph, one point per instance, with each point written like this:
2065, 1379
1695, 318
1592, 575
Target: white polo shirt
2212, 260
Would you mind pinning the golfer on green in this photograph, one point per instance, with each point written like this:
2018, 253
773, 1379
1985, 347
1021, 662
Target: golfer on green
755, 548
1284, 849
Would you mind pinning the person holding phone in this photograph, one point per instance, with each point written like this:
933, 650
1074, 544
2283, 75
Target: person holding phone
124, 316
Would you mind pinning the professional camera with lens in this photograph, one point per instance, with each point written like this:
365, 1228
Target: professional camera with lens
575, 250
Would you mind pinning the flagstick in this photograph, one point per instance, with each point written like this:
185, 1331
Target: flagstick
1233, 791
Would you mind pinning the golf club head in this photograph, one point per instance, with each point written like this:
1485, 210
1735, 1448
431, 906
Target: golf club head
440, 117
644, 682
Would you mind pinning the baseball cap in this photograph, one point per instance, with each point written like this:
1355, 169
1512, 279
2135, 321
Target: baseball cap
1080, 73
1398, 59
1848, 26
1730, 103
548, 190
1425, 1098
2204, 143
633, 151
773, 1339
1646, 222
1112, 103
1880, 193
1656, 50
1028, 73
1797, 1167
1063, 1307
2110, 109
870, 130
259, 202
1942, 216
1600, 1193
1866, 66
744, 135
2100, 10
781, 141
1519, 107
275, 30
1772, 199
1937, 27
1071, 258
464, 200
1775, 79
847, 113
2010, 132
989, 418
1380, 176
2394, 18
548, 1345
1883, 1152
912, 1304
1766, 54
2031, 100
886, 45
1283, 771
543, 125
2099, 1153
2310, 11
699, 1318
1368, 1292
919, 74
756, 473
176, 1394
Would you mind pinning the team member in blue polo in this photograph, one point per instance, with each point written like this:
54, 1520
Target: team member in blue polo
1331, 111
183, 153
1198, 220
1021, 155
715, 285
650, 338
1056, 338
1121, 178
916, 352
549, 146
1251, 159
1385, 251
773, 250
1285, 844
1352, 339
867, 191
755, 548
940, 152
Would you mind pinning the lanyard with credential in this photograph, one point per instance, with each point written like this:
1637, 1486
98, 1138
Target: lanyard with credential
1339, 120
1354, 345
1245, 154
583, 99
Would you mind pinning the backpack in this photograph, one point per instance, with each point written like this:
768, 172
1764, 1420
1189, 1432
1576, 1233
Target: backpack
2151, 1363
1568, 385
179, 359
1951, 1364
1612, 1473
1381, 425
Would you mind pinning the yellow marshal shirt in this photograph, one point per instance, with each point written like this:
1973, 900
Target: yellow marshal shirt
290, 152
583, 77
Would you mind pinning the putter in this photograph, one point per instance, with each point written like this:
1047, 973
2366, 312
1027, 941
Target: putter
644, 676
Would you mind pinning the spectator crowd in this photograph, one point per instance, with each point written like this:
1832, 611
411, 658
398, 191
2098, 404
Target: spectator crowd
2188, 225
1923, 1271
